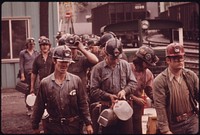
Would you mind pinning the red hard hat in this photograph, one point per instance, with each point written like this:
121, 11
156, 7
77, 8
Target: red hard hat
174, 49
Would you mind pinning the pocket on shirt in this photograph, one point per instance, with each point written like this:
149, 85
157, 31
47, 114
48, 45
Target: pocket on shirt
73, 98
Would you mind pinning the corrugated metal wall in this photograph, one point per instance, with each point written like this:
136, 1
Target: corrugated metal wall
9, 73
9, 70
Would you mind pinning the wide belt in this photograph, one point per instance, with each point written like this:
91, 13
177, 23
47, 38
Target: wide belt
62, 120
184, 116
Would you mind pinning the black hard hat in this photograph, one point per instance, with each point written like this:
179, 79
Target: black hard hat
62, 53
44, 40
63, 39
90, 42
72, 41
59, 35
147, 54
93, 40
85, 37
110, 32
103, 39
114, 48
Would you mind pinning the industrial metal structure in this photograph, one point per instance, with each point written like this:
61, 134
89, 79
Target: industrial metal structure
135, 29
188, 14
115, 12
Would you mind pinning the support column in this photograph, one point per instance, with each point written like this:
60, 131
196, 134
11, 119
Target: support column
44, 19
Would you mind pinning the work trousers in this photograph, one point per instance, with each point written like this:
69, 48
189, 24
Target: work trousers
28, 81
137, 118
75, 127
189, 126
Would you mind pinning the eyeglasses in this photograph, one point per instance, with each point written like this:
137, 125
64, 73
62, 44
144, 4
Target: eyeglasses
177, 58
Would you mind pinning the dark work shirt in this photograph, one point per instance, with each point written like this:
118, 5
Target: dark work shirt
80, 67
43, 68
105, 80
66, 100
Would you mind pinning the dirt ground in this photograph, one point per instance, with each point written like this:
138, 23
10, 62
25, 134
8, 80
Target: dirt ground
14, 119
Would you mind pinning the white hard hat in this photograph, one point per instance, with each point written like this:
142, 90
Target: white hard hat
123, 110
30, 100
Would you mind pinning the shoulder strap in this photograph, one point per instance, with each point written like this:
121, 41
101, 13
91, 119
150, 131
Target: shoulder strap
191, 97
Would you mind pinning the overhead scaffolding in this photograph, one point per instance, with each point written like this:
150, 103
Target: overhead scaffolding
66, 17
69, 21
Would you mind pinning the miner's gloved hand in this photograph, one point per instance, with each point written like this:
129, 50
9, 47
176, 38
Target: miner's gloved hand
121, 94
